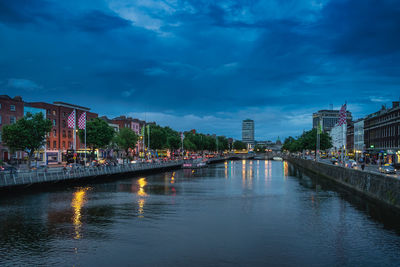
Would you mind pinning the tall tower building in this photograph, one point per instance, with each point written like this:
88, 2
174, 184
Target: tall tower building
248, 132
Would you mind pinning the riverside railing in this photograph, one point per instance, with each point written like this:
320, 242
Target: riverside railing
32, 177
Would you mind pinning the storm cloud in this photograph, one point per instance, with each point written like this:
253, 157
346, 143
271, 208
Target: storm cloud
204, 64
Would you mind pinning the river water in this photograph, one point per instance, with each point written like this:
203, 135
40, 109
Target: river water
237, 213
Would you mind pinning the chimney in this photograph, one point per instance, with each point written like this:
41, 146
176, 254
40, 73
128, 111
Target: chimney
395, 104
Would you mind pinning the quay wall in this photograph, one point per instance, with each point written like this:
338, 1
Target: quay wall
383, 189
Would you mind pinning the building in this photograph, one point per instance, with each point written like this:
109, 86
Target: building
382, 133
128, 122
350, 137
328, 119
11, 109
60, 139
338, 137
359, 146
248, 132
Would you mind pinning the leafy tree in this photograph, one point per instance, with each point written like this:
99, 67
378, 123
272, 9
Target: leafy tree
27, 134
222, 143
126, 139
173, 142
308, 140
98, 134
239, 145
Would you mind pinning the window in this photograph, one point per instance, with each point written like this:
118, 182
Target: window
69, 144
54, 144
0, 136
0, 106
69, 134
48, 144
0, 119
63, 144
54, 122
12, 107
12, 119
64, 124
54, 112
55, 133
64, 134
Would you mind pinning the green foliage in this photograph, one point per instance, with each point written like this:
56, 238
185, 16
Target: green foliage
125, 139
98, 134
27, 134
239, 145
308, 140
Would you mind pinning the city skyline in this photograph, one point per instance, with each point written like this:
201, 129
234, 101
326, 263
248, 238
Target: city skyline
204, 65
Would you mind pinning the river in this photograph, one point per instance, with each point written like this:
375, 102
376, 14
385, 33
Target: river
237, 213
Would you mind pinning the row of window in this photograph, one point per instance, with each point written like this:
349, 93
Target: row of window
55, 145
64, 134
384, 132
12, 119
385, 118
12, 107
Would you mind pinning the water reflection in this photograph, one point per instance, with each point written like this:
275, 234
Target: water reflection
77, 203
142, 194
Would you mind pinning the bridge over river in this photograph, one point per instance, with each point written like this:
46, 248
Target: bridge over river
233, 213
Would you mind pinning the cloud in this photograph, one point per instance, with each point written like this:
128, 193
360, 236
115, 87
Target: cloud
98, 21
128, 93
155, 71
24, 84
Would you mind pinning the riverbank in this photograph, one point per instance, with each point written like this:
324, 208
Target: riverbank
382, 189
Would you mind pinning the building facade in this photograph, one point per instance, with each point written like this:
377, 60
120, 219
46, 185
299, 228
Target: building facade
61, 138
359, 146
350, 137
248, 132
11, 109
382, 133
328, 119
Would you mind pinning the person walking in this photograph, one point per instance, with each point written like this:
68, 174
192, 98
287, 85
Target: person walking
363, 164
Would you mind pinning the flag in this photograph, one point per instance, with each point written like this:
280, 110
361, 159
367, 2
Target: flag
319, 129
82, 121
71, 119
342, 116
142, 131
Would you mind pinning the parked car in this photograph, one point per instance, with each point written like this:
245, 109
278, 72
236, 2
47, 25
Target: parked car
387, 169
351, 163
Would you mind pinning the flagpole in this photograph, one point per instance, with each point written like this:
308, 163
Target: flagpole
85, 139
75, 135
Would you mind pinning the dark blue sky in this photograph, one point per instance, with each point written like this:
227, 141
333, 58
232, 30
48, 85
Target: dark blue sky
204, 64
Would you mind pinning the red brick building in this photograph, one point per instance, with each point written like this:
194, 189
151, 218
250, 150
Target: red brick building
11, 109
382, 133
61, 137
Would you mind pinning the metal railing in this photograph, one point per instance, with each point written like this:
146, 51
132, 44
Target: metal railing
31, 177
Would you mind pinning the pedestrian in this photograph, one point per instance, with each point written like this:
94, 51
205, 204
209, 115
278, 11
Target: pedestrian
363, 165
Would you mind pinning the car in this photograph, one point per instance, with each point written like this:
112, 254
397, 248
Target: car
387, 169
351, 163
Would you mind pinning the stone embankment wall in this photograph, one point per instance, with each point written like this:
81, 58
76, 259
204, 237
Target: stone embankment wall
384, 189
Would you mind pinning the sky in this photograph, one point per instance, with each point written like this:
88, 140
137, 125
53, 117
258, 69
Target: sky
205, 65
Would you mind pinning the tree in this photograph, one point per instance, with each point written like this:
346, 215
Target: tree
308, 140
239, 145
126, 139
222, 143
173, 142
27, 134
98, 134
